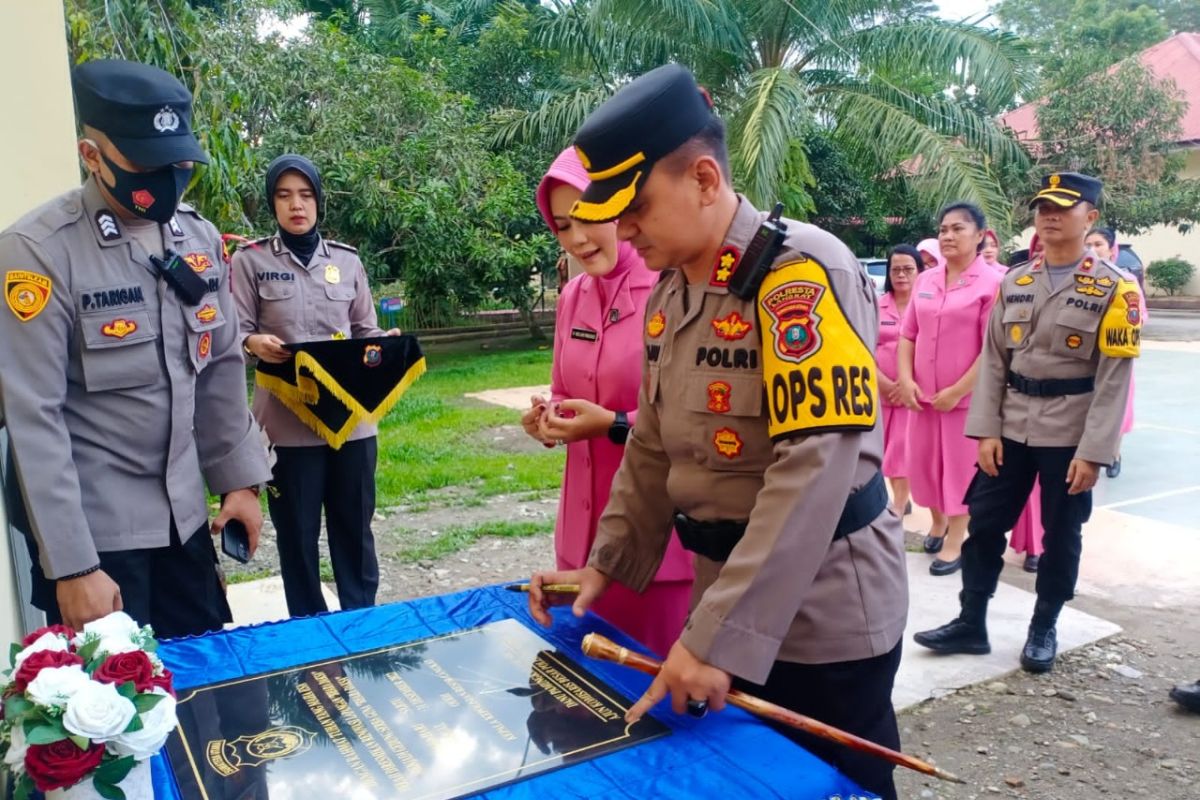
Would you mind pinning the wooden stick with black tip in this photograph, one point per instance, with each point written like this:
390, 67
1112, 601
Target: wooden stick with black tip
599, 647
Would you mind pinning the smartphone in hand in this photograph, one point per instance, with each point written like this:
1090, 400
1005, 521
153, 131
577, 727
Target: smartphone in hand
235, 541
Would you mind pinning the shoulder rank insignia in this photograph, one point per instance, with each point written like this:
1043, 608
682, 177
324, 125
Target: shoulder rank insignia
818, 373
106, 223
732, 327
1087, 265
342, 245
27, 293
727, 261
174, 226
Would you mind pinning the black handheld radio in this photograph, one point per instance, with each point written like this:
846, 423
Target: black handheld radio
189, 286
759, 256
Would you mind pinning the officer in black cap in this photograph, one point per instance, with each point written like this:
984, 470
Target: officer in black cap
800, 594
121, 376
1048, 404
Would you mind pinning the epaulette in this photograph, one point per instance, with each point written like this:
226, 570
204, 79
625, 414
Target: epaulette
342, 245
255, 243
188, 208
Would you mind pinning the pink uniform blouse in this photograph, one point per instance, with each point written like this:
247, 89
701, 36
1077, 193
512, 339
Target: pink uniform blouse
886, 348
948, 324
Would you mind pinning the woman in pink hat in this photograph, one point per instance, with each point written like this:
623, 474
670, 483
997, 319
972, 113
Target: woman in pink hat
594, 388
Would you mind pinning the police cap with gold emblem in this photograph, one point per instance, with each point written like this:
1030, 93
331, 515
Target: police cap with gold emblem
145, 111
621, 140
1067, 189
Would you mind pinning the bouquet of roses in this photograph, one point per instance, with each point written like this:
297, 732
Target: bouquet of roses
84, 708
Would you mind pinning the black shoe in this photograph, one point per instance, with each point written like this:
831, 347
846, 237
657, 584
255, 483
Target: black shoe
939, 567
1113, 469
1041, 647
1188, 696
1031, 563
956, 637
933, 544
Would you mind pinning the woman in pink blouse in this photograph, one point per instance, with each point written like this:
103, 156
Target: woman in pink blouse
904, 263
594, 388
941, 338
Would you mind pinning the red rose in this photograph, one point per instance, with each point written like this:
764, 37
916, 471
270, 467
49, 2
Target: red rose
62, 764
36, 662
61, 630
132, 668
164, 682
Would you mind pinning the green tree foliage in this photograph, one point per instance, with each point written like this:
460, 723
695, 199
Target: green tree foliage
781, 70
1172, 275
405, 160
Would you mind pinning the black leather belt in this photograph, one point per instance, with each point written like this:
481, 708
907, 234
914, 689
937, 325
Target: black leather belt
1053, 387
715, 539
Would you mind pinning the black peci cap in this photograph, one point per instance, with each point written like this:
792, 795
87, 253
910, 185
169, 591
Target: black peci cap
145, 111
622, 139
1067, 189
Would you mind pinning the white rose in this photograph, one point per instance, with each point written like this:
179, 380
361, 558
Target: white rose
47, 641
98, 712
14, 759
55, 686
115, 645
157, 724
118, 626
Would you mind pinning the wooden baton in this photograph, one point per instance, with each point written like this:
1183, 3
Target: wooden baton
599, 647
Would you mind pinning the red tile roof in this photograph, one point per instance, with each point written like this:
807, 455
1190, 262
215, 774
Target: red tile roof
1177, 58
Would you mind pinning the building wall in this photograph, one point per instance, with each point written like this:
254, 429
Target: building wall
1162, 241
37, 160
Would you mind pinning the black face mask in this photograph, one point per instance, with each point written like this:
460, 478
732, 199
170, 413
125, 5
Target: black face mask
150, 195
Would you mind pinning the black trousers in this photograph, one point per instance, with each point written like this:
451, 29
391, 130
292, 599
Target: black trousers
996, 503
855, 696
175, 589
343, 481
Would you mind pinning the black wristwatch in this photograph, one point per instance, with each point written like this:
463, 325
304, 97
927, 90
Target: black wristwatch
618, 432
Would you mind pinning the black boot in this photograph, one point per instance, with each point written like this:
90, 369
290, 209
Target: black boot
1188, 696
966, 634
1041, 645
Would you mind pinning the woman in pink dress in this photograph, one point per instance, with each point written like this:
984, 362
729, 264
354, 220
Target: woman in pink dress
594, 388
931, 253
904, 263
941, 338
991, 251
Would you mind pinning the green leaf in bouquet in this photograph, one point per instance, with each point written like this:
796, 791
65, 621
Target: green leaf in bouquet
13, 649
127, 690
108, 791
24, 788
135, 724
145, 702
113, 770
45, 734
16, 705
82, 742
88, 651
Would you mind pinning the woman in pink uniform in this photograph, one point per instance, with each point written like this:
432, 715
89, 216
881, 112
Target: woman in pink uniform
904, 263
991, 251
931, 253
594, 386
941, 338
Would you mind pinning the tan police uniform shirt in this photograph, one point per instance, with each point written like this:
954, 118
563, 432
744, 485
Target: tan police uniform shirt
1089, 326
703, 444
328, 298
122, 402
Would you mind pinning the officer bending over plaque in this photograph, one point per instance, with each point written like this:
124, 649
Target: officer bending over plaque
1048, 404
121, 379
757, 436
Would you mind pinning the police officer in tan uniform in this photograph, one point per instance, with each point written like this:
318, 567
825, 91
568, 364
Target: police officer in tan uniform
757, 435
1048, 404
298, 286
121, 378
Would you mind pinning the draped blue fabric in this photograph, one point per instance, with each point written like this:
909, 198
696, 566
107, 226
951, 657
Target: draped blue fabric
729, 755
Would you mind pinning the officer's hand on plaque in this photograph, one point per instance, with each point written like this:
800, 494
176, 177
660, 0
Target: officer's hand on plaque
268, 348
1081, 475
686, 678
991, 456
910, 394
591, 581
242, 505
89, 597
575, 420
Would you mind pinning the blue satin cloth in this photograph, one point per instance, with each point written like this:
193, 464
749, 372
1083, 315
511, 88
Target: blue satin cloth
728, 755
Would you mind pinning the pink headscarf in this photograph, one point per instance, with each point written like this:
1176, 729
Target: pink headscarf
934, 249
568, 169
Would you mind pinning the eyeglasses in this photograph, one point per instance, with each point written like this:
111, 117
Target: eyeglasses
903, 270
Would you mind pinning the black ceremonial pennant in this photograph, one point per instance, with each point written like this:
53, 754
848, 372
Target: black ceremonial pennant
334, 386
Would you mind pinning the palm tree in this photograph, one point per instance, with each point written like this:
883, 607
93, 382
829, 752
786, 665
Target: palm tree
870, 73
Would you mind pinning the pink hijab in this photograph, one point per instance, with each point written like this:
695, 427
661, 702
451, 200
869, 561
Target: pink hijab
568, 169
934, 249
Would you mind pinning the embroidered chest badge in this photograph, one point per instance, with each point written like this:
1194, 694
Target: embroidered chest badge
204, 345
728, 442
718, 397
732, 327
119, 328
199, 262
1024, 280
206, 314
656, 325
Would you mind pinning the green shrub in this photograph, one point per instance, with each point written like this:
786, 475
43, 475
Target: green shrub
1170, 274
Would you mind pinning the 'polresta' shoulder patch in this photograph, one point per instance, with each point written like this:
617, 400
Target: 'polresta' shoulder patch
1121, 328
818, 374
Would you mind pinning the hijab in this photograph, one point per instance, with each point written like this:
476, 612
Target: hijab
302, 244
934, 249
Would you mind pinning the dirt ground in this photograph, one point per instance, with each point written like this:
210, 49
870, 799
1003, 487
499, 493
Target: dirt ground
1099, 725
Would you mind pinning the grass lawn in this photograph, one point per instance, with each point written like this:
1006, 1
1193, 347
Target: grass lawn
434, 438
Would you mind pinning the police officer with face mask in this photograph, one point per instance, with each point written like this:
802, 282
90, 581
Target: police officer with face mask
121, 377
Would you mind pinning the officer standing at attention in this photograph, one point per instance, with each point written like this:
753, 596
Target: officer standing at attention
121, 375
1048, 404
756, 436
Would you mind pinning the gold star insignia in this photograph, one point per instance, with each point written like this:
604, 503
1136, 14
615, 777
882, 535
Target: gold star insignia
723, 272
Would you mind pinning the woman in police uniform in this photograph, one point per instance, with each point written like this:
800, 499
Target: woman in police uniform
297, 286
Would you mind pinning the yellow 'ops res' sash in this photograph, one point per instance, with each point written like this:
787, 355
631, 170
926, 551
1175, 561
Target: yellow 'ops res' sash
818, 374
334, 386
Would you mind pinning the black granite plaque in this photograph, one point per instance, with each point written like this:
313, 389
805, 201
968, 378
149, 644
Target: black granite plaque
434, 719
